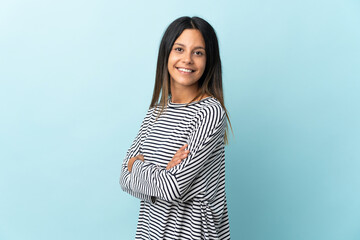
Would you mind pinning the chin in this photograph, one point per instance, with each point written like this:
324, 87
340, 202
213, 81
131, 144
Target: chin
186, 82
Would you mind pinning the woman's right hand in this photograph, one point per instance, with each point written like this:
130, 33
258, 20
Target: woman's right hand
179, 155
133, 159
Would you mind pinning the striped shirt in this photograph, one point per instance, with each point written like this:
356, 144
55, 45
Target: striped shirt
187, 201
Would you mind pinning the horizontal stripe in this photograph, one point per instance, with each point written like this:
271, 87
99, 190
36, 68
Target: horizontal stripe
187, 201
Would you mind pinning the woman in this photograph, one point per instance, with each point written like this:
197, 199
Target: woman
176, 164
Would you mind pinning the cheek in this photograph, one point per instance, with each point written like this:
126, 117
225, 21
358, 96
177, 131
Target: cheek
169, 64
203, 65
171, 61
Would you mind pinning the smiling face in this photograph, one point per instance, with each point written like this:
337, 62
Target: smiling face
187, 59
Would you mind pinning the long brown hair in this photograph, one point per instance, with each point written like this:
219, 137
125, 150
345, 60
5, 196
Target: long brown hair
210, 82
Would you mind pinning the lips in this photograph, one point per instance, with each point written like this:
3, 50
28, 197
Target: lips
185, 70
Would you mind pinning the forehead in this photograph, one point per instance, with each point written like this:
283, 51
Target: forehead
191, 37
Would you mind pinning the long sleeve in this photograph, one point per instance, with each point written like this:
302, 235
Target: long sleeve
134, 150
174, 184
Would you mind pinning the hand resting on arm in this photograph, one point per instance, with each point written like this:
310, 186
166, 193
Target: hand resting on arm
178, 156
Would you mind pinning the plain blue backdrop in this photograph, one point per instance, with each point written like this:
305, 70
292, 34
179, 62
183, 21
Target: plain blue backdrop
76, 79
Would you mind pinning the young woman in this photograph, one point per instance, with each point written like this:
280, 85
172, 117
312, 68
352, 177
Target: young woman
176, 164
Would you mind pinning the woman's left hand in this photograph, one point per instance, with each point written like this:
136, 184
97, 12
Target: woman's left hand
178, 157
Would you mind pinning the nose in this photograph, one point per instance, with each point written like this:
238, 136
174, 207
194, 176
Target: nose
187, 58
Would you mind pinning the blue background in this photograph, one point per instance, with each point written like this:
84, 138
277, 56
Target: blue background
76, 81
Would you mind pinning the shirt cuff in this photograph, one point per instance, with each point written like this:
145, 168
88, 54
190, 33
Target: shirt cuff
135, 185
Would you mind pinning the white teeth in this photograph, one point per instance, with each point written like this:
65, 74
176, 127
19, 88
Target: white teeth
185, 70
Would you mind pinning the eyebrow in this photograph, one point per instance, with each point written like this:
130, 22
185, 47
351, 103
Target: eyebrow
184, 46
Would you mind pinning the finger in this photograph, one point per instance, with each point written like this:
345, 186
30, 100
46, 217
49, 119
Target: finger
175, 161
183, 147
185, 153
180, 150
172, 164
180, 153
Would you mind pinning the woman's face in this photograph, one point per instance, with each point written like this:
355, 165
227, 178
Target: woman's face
187, 59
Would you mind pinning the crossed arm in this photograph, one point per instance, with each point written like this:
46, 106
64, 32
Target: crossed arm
176, 159
147, 181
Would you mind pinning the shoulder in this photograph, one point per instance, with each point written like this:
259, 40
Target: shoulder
212, 107
212, 112
148, 116
148, 113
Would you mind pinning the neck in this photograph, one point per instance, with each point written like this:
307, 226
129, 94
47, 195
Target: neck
183, 94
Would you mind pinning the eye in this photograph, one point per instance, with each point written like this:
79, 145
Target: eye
178, 49
199, 53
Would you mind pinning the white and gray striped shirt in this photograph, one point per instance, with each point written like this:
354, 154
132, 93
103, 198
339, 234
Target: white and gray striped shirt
187, 201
